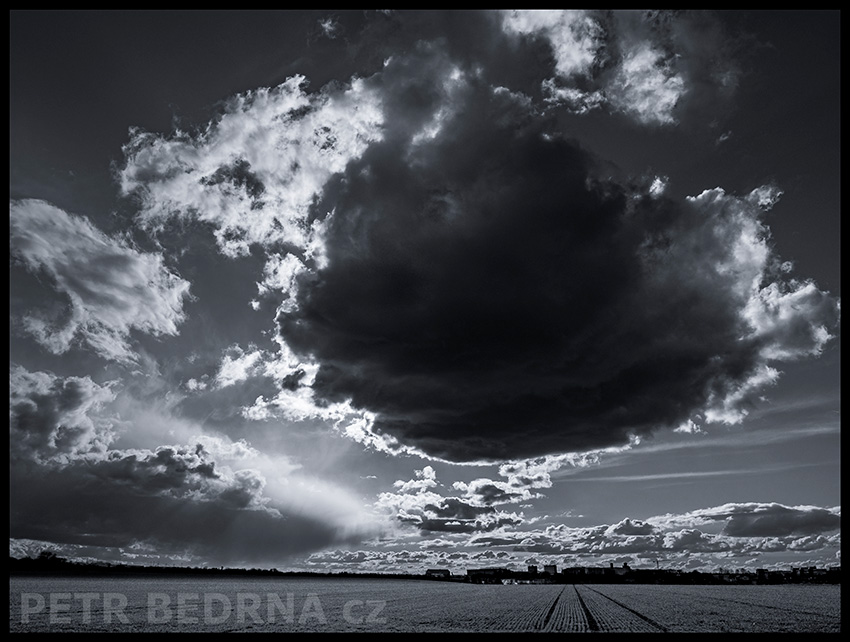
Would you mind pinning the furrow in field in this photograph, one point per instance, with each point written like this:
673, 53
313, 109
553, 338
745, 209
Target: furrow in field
611, 616
551, 610
588, 615
568, 615
643, 617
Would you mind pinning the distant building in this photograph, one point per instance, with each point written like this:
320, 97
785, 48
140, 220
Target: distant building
550, 569
438, 573
532, 570
487, 575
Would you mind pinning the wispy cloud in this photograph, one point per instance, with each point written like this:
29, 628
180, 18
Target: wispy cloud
113, 288
576, 477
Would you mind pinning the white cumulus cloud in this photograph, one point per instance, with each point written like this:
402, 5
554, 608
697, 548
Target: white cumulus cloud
254, 172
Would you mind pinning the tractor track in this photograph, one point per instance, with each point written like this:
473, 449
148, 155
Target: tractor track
592, 624
643, 617
552, 609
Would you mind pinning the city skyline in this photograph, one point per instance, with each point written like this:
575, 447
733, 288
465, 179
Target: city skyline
365, 290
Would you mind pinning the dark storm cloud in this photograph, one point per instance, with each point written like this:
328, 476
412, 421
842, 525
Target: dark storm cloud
207, 500
175, 471
453, 265
489, 295
182, 472
176, 500
65, 506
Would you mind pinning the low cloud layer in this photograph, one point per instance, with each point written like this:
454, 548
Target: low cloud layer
180, 501
112, 289
73, 505
756, 519
744, 529
475, 518
478, 515
684, 541
212, 499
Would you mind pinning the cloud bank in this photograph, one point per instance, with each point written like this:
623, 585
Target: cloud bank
687, 541
210, 499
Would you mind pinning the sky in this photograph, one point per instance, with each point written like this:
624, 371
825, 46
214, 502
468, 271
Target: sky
383, 291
